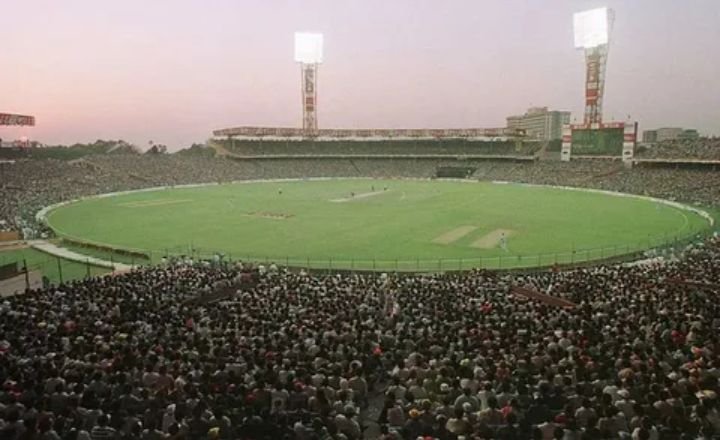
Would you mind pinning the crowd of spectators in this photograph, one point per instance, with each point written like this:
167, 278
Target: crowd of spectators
679, 183
701, 148
28, 185
374, 148
282, 355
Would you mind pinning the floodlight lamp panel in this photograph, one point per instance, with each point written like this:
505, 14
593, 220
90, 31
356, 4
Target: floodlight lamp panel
591, 28
308, 47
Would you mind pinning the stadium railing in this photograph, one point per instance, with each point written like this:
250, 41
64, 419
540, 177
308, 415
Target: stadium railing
58, 270
644, 249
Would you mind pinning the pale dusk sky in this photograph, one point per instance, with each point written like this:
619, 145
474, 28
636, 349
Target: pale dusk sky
171, 71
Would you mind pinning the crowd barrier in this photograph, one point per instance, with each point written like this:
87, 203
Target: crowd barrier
131, 253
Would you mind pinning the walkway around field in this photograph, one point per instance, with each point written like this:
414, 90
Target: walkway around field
57, 251
12, 245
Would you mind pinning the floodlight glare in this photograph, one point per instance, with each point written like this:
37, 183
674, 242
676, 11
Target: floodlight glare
591, 28
308, 48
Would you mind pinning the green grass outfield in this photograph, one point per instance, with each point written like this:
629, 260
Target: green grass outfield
55, 269
414, 224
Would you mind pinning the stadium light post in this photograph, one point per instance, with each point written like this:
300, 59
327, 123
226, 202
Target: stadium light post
592, 30
27, 275
309, 53
59, 267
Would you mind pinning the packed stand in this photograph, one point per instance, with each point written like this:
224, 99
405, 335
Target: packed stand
156, 354
374, 148
702, 148
28, 185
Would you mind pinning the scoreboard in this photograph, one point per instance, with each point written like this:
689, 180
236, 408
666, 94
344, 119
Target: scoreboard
11, 119
600, 139
600, 142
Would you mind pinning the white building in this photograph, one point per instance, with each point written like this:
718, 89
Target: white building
540, 123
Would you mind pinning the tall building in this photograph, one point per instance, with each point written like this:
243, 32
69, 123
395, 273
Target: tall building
668, 134
540, 123
649, 136
689, 134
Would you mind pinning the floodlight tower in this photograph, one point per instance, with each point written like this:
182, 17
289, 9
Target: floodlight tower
309, 53
592, 34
